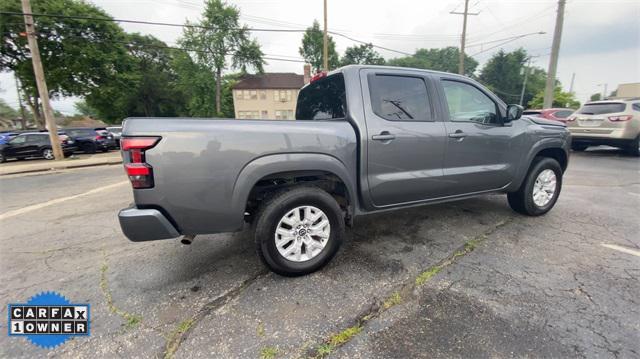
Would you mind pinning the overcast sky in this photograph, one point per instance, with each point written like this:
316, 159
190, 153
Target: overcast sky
600, 42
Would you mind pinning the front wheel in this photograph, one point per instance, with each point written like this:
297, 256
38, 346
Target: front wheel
540, 189
634, 147
299, 230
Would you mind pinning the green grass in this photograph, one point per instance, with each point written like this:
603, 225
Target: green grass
425, 276
344, 336
268, 353
393, 299
260, 329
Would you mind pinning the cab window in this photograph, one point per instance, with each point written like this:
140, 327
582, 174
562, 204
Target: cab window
468, 104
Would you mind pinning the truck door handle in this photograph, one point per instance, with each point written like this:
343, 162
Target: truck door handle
458, 134
383, 136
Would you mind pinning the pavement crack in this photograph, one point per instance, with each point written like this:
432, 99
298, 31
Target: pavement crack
405, 293
184, 328
131, 320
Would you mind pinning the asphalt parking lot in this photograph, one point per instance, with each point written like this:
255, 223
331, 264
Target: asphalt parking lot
464, 279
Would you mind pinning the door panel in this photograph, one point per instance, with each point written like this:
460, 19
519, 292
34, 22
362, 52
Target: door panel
479, 151
405, 143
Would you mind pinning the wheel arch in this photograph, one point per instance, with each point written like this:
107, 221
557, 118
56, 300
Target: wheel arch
285, 170
549, 147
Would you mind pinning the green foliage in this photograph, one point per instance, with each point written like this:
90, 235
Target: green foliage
83, 108
77, 55
219, 38
596, 97
504, 74
268, 352
7, 111
445, 59
146, 86
312, 48
361, 54
560, 99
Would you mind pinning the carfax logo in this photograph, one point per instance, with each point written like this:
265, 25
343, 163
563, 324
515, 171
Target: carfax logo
48, 319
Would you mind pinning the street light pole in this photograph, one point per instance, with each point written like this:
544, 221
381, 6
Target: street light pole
524, 83
40, 81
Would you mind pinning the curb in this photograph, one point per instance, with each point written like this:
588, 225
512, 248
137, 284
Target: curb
64, 167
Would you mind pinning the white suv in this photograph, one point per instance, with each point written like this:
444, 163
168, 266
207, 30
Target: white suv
611, 122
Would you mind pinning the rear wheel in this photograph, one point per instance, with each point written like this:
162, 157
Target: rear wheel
540, 189
298, 230
2, 158
634, 147
47, 153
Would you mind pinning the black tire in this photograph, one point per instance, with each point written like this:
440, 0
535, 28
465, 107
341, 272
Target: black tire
522, 201
579, 147
68, 154
2, 158
275, 208
634, 147
89, 148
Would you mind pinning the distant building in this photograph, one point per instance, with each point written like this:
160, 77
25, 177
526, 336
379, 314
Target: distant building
269, 95
628, 90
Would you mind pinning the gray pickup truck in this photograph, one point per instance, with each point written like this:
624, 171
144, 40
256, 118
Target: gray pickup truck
366, 139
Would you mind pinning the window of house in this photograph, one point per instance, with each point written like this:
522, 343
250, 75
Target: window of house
253, 94
399, 98
238, 94
263, 94
468, 104
284, 114
265, 114
246, 95
248, 115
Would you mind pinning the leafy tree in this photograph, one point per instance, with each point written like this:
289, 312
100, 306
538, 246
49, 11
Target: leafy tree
196, 83
361, 54
219, 37
78, 55
83, 108
560, 99
7, 111
312, 48
445, 59
504, 74
596, 97
145, 88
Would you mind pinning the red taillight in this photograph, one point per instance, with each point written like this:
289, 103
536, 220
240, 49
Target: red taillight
140, 173
99, 138
318, 76
620, 118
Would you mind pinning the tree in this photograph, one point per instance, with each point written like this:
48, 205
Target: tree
78, 55
145, 87
445, 59
219, 37
560, 99
84, 109
7, 111
596, 97
312, 48
504, 74
361, 54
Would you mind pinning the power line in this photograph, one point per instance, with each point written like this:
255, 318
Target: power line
508, 41
80, 17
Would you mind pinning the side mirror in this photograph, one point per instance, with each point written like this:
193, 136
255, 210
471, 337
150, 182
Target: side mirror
514, 112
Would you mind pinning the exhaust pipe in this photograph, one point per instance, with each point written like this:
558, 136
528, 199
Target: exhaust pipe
187, 239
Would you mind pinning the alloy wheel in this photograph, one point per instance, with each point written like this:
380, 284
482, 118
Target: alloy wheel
302, 233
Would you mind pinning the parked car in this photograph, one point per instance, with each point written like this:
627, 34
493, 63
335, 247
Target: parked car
6, 136
116, 131
612, 122
91, 140
366, 139
34, 144
557, 114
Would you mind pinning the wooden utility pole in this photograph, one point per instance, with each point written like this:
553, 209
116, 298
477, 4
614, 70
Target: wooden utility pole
553, 62
325, 45
464, 34
527, 68
40, 81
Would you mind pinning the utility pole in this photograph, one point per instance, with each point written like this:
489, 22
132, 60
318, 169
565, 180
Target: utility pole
573, 78
325, 45
464, 34
524, 83
23, 121
40, 81
555, 51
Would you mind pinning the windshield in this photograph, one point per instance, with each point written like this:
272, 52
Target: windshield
323, 99
602, 108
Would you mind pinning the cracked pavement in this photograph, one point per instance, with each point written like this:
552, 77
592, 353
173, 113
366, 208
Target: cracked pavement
532, 287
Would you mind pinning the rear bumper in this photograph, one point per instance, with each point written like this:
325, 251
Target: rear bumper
141, 225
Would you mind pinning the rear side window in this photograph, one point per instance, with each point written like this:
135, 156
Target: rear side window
563, 114
399, 98
531, 112
80, 133
636, 106
324, 99
602, 108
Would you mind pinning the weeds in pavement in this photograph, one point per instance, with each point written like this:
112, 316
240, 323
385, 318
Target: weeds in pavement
393, 299
425, 276
268, 353
131, 320
260, 330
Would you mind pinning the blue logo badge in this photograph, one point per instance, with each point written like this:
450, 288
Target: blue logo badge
48, 319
